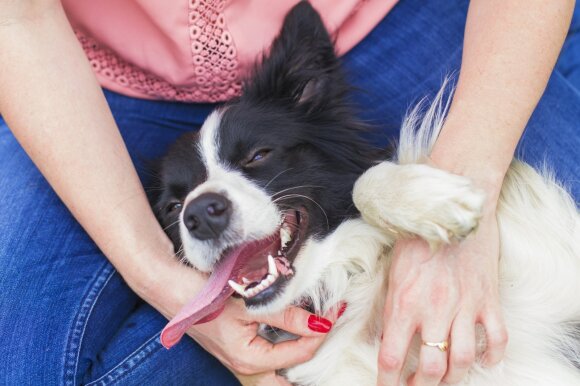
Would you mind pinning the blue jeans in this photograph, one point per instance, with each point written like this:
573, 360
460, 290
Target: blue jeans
66, 316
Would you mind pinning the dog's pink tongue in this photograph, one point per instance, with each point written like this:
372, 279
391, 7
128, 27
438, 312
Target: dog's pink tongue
207, 305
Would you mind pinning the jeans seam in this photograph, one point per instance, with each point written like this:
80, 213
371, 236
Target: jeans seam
139, 354
74, 343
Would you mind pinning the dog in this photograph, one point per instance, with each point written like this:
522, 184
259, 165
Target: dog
281, 199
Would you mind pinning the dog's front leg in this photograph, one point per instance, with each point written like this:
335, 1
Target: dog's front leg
419, 200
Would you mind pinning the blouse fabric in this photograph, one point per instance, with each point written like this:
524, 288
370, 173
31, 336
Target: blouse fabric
197, 50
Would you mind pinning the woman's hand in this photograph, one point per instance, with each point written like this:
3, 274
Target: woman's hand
71, 133
264, 379
441, 296
503, 74
233, 339
233, 336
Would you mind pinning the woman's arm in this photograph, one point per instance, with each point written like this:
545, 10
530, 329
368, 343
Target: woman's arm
56, 109
52, 102
509, 52
510, 49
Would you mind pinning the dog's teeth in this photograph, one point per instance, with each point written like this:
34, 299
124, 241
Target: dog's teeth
285, 236
251, 292
261, 286
237, 287
272, 270
265, 283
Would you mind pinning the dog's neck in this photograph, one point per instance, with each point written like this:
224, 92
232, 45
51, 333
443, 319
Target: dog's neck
335, 266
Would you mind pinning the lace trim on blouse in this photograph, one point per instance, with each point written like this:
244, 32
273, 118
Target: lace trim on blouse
214, 62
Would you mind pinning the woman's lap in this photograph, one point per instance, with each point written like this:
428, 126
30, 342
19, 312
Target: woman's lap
67, 317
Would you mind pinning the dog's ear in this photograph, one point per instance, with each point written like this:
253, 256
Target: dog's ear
301, 67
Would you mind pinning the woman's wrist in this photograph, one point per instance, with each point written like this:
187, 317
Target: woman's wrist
485, 179
163, 281
468, 156
503, 74
144, 256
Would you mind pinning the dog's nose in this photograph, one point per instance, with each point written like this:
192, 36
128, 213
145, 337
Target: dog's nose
207, 216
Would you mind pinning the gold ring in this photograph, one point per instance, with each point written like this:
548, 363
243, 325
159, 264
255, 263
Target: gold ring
442, 346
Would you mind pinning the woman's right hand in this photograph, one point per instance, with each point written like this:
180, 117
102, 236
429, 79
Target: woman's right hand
233, 336
73, 139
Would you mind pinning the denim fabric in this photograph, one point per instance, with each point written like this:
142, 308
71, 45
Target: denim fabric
406, 57
66, 316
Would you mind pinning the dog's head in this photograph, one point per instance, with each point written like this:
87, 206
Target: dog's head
268, 173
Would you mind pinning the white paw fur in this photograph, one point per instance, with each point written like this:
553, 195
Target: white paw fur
539, 229
418, 200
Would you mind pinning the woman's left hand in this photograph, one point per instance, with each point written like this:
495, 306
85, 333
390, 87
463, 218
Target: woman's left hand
441, 296
444, 295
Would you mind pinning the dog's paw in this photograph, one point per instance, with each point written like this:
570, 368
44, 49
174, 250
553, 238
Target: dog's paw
419, 200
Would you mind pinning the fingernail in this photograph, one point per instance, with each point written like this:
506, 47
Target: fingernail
342, 309
319, 324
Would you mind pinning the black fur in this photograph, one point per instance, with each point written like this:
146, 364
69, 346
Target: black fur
177, 174
294, 111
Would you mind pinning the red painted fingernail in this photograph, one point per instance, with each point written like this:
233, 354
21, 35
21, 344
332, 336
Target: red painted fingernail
342, 309
319, 324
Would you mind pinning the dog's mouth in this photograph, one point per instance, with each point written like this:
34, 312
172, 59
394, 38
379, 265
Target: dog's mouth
256, 270
261, 278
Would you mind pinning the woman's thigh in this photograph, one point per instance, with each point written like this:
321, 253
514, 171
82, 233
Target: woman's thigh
66, 316
419, 44
405, 58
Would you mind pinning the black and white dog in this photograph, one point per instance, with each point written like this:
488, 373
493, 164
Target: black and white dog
263, 198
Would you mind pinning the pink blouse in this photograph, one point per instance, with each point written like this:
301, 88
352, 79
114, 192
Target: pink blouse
197, 50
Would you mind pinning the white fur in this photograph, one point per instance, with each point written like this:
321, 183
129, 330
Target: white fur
451, 211
539, 266
254, 215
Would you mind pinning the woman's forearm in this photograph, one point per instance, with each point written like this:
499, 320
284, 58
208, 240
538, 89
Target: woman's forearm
52, 102
510, 49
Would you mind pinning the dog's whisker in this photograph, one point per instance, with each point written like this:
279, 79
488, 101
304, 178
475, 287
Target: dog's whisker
296, 187
276, 176
170, 225
180, 256
308, 198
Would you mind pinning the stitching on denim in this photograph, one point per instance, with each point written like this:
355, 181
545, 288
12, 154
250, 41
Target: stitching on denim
129, 362
88, 316
73, 346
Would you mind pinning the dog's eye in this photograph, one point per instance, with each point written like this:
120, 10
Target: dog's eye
258, 156
174, 206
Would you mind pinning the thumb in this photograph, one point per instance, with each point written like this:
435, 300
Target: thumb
301, 322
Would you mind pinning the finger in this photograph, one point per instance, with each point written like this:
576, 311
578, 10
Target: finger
270, 356
462, 348
335, 312
264, 379
282, 381
496, 338
396, 339
432, 361
300, 322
